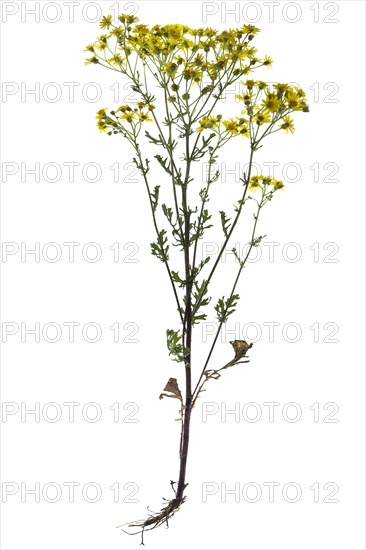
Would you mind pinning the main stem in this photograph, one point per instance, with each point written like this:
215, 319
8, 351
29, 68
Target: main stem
187, 328
185, 445
187, 331
188, 403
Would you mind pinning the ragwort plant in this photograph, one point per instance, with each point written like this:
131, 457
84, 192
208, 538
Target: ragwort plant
191, 69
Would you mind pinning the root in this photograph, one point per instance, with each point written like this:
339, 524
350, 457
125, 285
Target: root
155, 519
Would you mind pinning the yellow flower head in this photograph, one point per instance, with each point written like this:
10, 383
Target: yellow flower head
117, 60
287, 125
90, 48
208, 122
128, 116
91, 60
250, 83
293, 100
106, 21
262, 182
144, 117
104, 122
272, 103
255, 183
170, 68
262, 117
127, 19
267, 61
277, 184
123, 108
231, 126
249, 29
243, 126
102, 42
282, 88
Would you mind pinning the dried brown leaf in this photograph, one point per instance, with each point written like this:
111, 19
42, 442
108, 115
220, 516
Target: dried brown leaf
172, 390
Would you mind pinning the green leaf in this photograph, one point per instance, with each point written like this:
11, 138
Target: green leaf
176, 278
199, 293
257, 240
200, 226
164, 163
204, 194
143, 169
199, 152
197, 318
152, 139
175, 347
224, 308
205, 218
160, 248
236, 254
197, 270
155, 197
225, 223
168, 212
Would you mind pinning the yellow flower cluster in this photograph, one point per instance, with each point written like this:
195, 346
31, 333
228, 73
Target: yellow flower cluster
262, 105
181, 56
178, 51
104, 121
124, 113
209, 123
262, 182
235, 126
267, 104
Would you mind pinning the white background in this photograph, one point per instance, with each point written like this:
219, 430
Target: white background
313, 44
